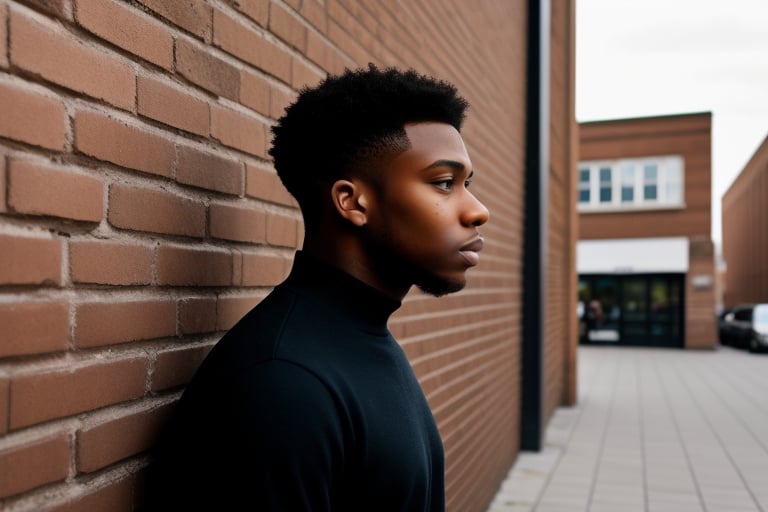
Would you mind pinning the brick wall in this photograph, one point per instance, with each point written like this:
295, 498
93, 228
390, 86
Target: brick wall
745, 237
140, 217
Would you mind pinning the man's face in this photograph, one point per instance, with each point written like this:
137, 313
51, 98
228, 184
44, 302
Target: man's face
424, 221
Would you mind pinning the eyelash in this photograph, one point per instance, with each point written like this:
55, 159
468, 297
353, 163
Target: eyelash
447, 184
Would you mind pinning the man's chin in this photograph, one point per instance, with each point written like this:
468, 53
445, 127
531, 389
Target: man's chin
439, 287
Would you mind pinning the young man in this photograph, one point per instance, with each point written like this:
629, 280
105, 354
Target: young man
309, 403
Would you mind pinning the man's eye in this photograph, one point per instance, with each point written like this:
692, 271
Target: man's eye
446, 184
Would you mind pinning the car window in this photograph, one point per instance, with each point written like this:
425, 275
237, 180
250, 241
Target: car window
761, 313
743, 314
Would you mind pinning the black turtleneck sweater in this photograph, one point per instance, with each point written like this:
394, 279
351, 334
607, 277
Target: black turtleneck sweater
307, 404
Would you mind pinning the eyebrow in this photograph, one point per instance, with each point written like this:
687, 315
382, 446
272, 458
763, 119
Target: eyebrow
453, 164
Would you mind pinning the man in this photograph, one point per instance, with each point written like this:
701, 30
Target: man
308, 403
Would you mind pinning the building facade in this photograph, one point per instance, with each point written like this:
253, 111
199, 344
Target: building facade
140, 218
645, 258
745, 233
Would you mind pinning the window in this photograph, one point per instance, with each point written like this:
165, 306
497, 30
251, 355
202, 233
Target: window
584, 185
631, 183
605, 184
627, 183
650, 181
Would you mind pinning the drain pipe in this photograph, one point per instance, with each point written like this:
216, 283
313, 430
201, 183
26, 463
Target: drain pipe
535, 226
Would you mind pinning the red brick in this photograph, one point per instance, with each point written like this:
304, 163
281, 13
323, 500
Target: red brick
265, 184
59, 8
5, 400
3, 181
57, 56
33, 328
37, 189
104, 262
115, 496
197, 315
32, 117
174, 369
34, 464
254, 92
209, 171
279, 99
232, 309
40, 397
239, 131
302, 75
127, 321
315, 13
193, 16
3, 36
27, 260
257, 10
155, 211
115, 141
287, 26
171, 105
323, 53
282, 231
178, 266
206, 70
129, 29
241, 224
261, 270
101, 445
248, 45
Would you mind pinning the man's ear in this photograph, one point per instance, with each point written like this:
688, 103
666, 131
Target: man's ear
350, 200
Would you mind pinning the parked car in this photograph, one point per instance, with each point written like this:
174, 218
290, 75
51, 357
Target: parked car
745, 326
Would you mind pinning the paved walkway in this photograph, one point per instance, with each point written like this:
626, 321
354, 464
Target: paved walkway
654, 431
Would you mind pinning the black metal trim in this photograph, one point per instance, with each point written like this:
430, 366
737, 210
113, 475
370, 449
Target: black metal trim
535, 226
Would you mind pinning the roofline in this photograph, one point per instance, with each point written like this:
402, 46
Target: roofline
642, 118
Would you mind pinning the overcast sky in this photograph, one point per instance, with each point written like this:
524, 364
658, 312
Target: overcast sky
656, 57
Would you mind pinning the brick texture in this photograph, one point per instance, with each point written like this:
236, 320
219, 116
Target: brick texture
207, 70
37, 189
58, 57
209, 171
3, 36
35, 464
32, 116
118, 142
48, 395
155, 211
110, 263
27, 260
33, 328
128, 321
116, 439
128, 28
172, 105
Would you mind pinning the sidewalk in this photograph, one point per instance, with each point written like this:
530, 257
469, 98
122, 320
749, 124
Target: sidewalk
655, 430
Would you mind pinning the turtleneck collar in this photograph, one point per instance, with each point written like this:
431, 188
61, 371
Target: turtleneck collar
362, 301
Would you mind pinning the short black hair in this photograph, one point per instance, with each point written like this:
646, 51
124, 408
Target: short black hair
335, 129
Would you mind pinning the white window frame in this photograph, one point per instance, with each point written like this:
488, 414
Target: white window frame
668, 168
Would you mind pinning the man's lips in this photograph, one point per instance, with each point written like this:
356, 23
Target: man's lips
469, 251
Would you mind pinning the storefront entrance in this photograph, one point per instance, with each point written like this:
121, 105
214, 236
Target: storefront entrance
633, 309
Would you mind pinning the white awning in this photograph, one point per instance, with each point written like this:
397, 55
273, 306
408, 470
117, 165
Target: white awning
632, 255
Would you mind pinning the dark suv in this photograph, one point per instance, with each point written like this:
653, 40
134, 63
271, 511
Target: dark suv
746, 326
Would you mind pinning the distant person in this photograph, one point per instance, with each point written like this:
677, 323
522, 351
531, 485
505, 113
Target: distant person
308, 403
595, 316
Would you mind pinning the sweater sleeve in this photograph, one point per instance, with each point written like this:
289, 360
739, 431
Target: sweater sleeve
270, 438
289, 438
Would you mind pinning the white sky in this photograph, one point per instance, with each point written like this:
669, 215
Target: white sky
637, 58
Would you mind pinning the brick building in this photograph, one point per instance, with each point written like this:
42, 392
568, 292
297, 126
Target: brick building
645, 251
140, 217
745, 233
